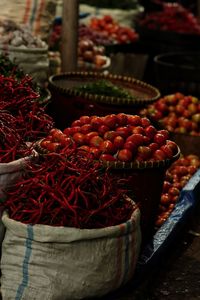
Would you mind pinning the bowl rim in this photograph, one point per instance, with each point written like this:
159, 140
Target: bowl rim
102, 98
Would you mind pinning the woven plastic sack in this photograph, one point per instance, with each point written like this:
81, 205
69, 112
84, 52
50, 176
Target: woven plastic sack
39, 14
33, 61
9, 173
50, 263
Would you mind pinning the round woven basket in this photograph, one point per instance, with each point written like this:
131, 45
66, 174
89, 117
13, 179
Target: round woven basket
145, 182
178, 71
68, 104
188, 144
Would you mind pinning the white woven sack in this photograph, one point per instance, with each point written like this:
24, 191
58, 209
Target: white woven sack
9, 173
39, 15
54, 263
33, 61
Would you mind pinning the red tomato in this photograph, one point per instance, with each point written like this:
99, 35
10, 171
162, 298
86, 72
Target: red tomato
123, 131
165, 199
85, 148
103, 129
95, 141
134, 120
131, 146
74, 130
95, 152
79, 138
56, 134
86, 128
150, 131
173, 146
110, 135
145, 122
118, 142
52, 147
85, 120
159, 139
110, 121
136, 139
76, 123
65, 141
122, 119
125, 155
89, 135
144, 152
159, 155
138, 129
96, 122
107, 157
107, 147
167, 150
153, 146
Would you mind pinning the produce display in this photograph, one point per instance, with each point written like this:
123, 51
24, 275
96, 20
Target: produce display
102, 31
22, 116
20, 99
97, 37
172, 17
20, 36
90, 53
106, 88
176, 113
111, 28
68, 189
12, 146
115, 137
91, 50
175, 179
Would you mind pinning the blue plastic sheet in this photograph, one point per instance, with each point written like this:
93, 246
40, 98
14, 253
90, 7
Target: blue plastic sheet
167, 233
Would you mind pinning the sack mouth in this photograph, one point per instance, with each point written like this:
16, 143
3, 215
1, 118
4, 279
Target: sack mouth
143, 93
40, 232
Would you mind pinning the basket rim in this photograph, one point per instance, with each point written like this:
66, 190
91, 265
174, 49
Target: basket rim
137, 165
159, 61
102, 98
140, 165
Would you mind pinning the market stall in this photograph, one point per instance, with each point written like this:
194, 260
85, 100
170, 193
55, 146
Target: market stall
99, 170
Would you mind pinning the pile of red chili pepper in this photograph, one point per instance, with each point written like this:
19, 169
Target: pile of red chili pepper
12, 145
19, 98
68, 189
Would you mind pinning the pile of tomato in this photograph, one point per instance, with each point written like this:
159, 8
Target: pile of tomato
115, 137
111, 28
177, 113
175, 179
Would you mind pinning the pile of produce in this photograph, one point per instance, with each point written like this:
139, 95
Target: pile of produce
115, 137
176, 113
12, 145
106, 88
22, 117
172, 17
102, 31
97, 37
68, 189
111, 28
20, 99
90, 53
176, 178
20, 36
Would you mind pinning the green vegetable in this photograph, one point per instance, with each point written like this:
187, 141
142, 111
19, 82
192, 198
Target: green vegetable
105, 88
